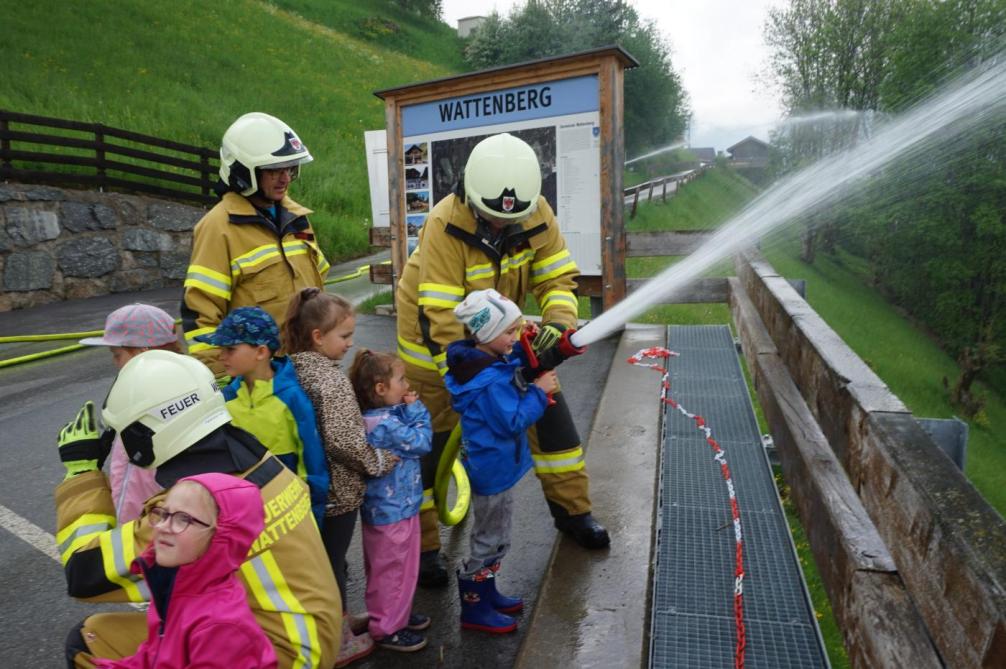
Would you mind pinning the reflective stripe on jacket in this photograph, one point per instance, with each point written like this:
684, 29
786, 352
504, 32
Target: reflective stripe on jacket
239, 259
452, 260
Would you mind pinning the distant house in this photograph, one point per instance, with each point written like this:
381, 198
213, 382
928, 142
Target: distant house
468, 25
705, 154
749, 152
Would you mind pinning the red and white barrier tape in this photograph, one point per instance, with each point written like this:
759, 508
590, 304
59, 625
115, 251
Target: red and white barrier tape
656, 352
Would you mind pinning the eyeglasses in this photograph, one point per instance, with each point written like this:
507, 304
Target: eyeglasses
177, 522
291, 172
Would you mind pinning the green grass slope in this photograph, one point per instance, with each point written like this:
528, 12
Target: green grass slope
703, 204
184, 70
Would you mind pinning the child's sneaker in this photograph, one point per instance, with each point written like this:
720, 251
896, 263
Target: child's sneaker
418, 622
353, 646
404, 641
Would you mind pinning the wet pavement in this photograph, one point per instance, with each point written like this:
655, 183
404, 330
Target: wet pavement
38, 397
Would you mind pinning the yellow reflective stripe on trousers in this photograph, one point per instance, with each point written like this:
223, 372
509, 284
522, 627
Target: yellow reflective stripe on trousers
118, 550
553, 266
272, 593
556, 297
558, 463
420, 356
81, 532
440, 295
256, 256
209, 281
427, 502
484, 271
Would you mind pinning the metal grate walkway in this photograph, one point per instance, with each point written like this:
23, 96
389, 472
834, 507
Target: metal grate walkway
692, 621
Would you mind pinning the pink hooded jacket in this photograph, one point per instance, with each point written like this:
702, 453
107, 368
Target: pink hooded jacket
209, 623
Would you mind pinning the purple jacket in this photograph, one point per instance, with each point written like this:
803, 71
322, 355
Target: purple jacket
208, 623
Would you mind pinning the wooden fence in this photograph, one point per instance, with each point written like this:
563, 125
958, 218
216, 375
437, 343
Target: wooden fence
101, 157
659, 186
913, 558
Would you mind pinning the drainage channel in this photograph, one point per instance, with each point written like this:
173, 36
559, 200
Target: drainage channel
693, 617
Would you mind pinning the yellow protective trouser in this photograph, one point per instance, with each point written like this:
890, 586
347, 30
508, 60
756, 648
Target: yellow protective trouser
555, 450
111, 636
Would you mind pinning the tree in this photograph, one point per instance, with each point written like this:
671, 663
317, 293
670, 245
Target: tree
933, 227
431, 8
655, 107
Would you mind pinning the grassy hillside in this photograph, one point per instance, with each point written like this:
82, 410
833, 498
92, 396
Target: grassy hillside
702, 204
185, 70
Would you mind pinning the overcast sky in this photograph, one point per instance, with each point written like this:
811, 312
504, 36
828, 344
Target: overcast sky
716, 47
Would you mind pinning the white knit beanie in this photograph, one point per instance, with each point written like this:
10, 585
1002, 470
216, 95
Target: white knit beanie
487, 314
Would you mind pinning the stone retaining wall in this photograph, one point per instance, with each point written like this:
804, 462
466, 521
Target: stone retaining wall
58, 244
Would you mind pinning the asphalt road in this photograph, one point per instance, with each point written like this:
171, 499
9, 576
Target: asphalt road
37, 398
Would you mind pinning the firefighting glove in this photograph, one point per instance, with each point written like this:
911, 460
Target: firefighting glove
83, 445
547, 337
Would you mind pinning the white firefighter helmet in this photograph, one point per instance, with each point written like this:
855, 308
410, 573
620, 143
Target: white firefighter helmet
258, 141
503, 177
161, 403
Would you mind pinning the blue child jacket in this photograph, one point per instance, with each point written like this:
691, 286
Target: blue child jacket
497, 408
307, 458
406, 431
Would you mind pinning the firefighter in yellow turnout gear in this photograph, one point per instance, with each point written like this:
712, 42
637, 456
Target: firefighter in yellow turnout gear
256, 247
171, 415
496, 231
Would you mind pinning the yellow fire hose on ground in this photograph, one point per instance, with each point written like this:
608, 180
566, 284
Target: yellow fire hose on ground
20, 339
450, 467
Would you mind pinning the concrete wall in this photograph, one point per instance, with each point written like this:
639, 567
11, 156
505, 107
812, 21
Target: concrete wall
58, 244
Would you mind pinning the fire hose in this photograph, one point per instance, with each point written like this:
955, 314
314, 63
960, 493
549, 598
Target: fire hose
721, 459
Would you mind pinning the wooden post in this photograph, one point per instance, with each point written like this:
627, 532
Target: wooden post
5, 143
635, 202
612, 113
99, 154
396, 190
664, 196
204, 160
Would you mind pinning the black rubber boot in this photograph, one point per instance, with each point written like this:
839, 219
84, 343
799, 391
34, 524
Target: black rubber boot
432, 571
582, 527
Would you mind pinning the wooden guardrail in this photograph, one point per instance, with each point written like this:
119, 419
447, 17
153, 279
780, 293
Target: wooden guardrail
98, 156
912, 556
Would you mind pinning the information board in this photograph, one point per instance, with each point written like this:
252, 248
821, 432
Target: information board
559, 119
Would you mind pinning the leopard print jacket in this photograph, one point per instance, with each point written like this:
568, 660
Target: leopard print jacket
350, 457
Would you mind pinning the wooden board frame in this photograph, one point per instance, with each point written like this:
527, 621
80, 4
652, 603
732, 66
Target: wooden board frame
608, 65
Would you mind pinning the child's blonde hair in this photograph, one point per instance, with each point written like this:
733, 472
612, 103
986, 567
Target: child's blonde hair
368, 369
312, 309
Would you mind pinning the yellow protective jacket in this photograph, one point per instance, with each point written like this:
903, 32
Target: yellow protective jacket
452, 260
291, 590
239, 259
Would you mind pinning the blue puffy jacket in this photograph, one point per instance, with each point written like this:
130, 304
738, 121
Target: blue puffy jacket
497, 407
280, 415
406, 431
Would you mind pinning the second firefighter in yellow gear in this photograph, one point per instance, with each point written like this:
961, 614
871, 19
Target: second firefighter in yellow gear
496, 232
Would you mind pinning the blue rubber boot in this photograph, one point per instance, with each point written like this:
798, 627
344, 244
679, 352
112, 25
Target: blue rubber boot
501, 602
477, 612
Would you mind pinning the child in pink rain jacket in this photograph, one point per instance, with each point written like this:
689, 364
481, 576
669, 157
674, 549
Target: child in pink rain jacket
199, 617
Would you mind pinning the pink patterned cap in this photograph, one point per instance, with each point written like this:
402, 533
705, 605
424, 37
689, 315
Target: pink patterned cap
136, 325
